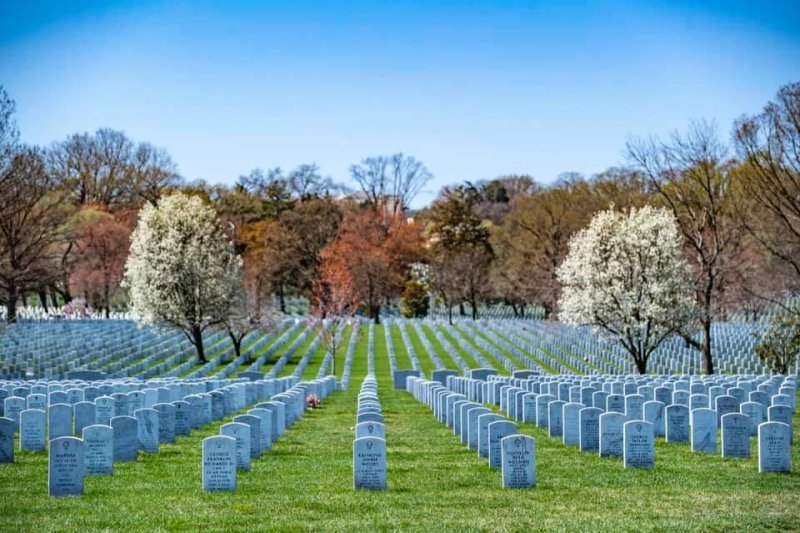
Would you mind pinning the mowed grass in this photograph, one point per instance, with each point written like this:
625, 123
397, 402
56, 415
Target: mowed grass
435, 484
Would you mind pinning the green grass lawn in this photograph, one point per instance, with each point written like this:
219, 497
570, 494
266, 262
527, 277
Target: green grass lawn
435, 483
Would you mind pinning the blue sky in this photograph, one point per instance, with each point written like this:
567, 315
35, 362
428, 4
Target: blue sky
472, 89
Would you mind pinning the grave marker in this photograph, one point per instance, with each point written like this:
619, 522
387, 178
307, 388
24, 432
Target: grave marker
704, 431
240, 432
147, 429
570, 423
589, 424
369, 463
166, 422
611, 434
677, 423
497, 431
6, 440
774, 448
639, 446
85, 415
59, 419
104, 410
66, 467
219, 464
126, 438
32, 430
254, 425
518, 458
736, 435
98, 445
483, 433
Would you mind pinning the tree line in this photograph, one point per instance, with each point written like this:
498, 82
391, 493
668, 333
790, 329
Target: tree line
70, 208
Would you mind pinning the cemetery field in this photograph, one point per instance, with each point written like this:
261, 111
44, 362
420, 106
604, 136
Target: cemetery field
434, 481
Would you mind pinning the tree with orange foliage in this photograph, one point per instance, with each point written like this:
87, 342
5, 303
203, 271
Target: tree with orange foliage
369, 260
101, 251
334, 292
335, 299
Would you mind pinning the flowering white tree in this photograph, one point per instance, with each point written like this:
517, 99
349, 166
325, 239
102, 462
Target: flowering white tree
182, 270
626, 276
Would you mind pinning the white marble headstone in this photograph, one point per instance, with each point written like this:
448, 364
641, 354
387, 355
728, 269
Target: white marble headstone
639, 444
518, 457
219, 463
98, 443
369, 463
66, 467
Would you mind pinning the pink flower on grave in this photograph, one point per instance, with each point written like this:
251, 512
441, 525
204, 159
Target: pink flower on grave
312, 402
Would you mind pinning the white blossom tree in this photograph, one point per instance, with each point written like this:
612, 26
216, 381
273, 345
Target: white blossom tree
626, 276
182, 271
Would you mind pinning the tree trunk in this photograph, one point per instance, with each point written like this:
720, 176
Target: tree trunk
474, 309
709, 362
237, 345
450, 314
461, 310
43, 299
66, 291
514, 308
197, 336
282, 298
548, 310
376, 314
65, 277
258, 292
641, 365
11, 308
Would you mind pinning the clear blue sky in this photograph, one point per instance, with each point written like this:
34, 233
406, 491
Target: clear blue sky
473, 89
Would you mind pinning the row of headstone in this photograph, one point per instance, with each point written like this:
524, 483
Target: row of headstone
252, 434
350, 356
123, 397
600, 421
67, 349
108, 436
492, 437
369, 446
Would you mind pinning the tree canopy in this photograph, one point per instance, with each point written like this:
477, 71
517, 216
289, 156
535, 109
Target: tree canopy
182, 270
626, 276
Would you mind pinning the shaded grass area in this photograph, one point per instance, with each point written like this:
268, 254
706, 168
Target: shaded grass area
435, 484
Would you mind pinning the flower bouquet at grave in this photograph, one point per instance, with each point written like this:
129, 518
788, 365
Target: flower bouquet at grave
312, 402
